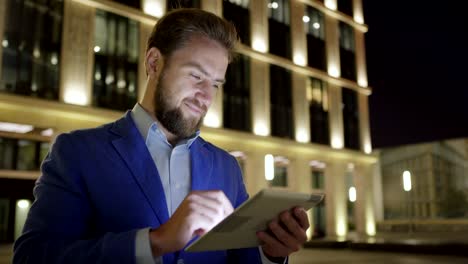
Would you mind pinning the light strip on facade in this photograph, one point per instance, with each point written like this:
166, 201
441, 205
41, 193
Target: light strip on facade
153, 8
74, 96
259, 45
15, 128
260, 129
299, 59
302, 136
331, 4
212, 120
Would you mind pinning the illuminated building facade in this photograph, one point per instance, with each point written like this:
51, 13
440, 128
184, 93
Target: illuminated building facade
437, 197
295, 105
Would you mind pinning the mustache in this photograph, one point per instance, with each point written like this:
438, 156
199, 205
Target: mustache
197, 103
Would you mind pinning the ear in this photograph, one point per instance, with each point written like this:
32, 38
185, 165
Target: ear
153, 61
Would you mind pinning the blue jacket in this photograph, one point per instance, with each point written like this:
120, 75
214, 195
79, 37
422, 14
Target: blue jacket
100, 186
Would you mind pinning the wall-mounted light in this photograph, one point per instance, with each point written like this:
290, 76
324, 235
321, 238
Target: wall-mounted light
269, 167
352, 194
407, 181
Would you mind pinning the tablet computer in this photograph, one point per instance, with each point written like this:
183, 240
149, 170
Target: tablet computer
238, 230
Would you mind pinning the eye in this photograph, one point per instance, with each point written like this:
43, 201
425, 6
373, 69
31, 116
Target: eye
196, 76
216, 86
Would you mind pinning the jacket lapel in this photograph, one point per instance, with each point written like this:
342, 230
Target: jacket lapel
201, 165
133, 151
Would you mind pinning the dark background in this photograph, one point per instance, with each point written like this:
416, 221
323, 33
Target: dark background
417, 56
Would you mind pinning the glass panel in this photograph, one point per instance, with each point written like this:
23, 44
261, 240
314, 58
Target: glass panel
347, 52
281, 177
174, 4
350, 119
7, 153
26, 159
236, 95
44, 150
278, 28
116, 61
319, 216
31, 48
345, 6
317, 96
132, 3
318, 180
314, 26
281, 102
237, 11
4, 215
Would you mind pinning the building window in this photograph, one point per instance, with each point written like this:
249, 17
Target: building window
31, 48
350, 119
237, 11
318, 179
281, 102
347, 52
317, 96
281, 177
132, 3
315, 29
345, 6
22, 154
236, 95
15, 199
278, 25
174, 4
116, 61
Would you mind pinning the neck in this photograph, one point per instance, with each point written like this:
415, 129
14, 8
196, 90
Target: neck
149, 109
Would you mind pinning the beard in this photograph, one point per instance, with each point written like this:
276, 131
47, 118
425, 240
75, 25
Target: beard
172, 117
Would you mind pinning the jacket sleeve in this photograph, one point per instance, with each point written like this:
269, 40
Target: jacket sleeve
58, 228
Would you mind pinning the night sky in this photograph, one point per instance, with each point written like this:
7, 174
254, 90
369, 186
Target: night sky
417, 60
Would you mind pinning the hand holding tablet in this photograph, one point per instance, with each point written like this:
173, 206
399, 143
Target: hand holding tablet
239, 229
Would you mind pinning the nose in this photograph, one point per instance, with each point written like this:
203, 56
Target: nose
205, 92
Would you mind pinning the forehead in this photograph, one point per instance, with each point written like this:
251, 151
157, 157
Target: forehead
204, 51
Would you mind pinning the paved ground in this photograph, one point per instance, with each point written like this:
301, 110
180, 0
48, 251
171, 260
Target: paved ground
332, 256
346, 256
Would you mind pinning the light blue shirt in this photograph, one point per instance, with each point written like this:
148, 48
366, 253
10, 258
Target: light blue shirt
173, 165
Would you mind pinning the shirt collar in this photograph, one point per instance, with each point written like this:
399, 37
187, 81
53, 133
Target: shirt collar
145, 123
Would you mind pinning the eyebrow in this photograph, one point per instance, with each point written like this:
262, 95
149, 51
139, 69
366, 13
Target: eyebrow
200, 68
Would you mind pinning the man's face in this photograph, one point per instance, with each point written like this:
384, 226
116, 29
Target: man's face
187, 84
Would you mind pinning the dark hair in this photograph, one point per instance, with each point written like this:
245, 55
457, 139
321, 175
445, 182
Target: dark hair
174, 29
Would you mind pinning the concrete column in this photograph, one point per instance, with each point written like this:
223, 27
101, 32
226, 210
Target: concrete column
358, 13
213, 6
298, 35
336, 199
336, 117
3, 7
259, 25
254, 177
378, 192
364, 209
332, 46
364, 130
361, 69
145, 32
260, 97
301, 175
300, 107
214, 116
76, 67
155, 8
